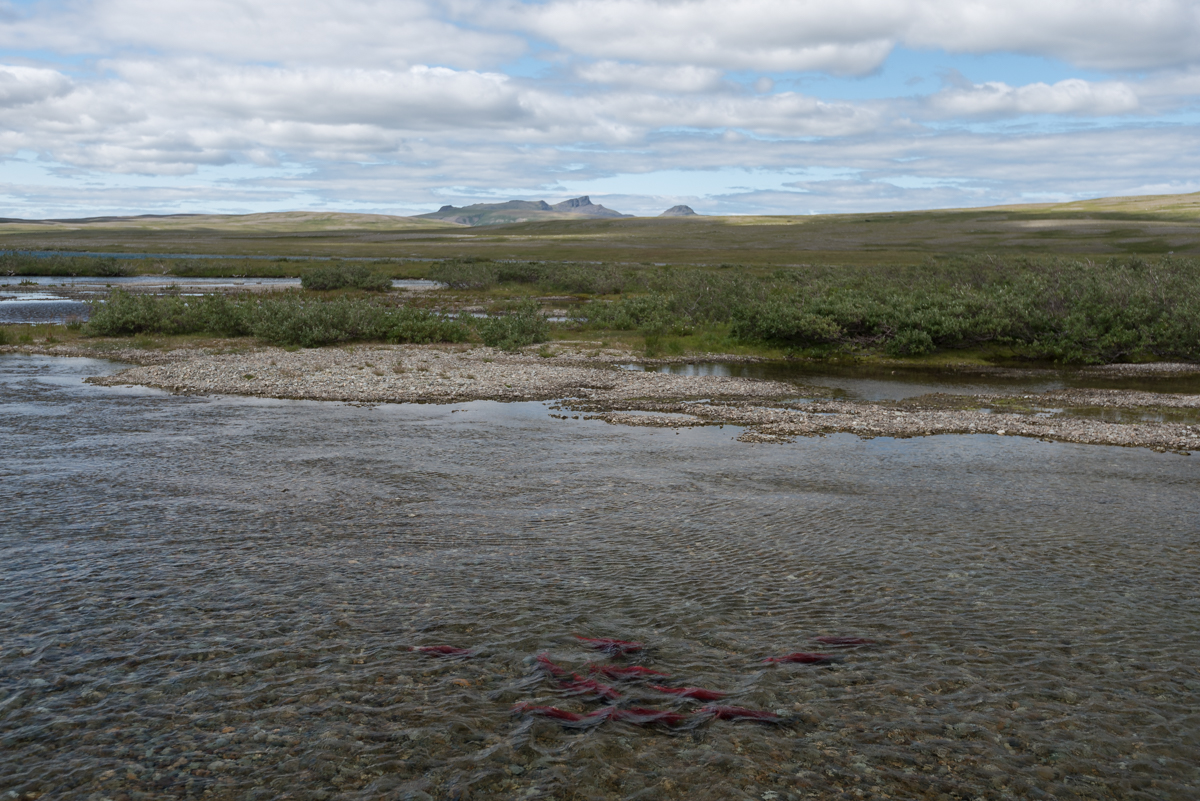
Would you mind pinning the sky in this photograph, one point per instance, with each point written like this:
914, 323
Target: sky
729, 106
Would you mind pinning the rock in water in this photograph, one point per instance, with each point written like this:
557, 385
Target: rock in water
679, 211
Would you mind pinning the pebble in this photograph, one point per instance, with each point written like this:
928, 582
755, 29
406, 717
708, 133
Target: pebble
587, 380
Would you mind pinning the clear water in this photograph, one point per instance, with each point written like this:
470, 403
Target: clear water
216, 598
39, 308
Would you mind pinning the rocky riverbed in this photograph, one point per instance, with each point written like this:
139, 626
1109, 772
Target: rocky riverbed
586, 379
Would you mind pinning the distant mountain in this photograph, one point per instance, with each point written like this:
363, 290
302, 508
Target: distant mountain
679, 211
515, 211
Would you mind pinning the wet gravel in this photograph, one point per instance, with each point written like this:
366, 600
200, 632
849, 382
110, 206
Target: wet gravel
587, 380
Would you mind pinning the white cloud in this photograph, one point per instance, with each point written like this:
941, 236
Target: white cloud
392, 103
855, 36
23, 85
728, 34
685, 78
1072, 96
396, 33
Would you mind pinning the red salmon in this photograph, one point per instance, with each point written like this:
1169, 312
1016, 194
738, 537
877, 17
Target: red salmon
631, 672
442, 650
549, 712
545, 664
582, 686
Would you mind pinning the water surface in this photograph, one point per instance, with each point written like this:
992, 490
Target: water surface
216, 597
50, 306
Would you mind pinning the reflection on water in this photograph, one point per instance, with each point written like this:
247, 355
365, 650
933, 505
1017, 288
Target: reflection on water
40, 308
898, 383
217, 598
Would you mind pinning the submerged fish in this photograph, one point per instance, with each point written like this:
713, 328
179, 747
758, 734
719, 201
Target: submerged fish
631, 672
581, 686
611, 646
544, 663
549, 712
843, 642
802, 658
640, 716
698, 693
739, 713
442, 650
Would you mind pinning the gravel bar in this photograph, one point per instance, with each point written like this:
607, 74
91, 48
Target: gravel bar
585, 379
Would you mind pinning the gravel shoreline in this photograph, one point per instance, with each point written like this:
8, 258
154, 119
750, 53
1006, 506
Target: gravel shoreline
585, 380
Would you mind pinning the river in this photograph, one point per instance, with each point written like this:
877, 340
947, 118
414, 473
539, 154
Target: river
219, 597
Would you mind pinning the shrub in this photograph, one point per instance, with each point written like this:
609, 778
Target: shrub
525, 325
57, 264
280, 320
345, 276
788, 323
465, 274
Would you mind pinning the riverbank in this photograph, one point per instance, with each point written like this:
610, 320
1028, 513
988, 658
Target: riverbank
593, 381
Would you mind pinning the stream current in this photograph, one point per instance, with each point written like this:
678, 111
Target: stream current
218, 597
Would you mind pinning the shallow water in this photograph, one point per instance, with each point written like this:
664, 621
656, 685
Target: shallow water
898, 383
216, 598
39, 308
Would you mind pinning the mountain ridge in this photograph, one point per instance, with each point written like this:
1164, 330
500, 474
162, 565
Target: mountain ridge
514, 211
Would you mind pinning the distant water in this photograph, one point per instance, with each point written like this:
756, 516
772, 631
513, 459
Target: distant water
218, 596
138, 256
49, 307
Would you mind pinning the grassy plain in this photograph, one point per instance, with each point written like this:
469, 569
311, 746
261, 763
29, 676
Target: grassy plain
1096, 281
1095, 229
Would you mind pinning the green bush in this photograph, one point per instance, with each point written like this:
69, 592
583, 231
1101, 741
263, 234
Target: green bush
585, 279
784, 322
281, 320
525, 325
4, 339
345, 276
64, 264
466, 274
1050, 309
1066, 311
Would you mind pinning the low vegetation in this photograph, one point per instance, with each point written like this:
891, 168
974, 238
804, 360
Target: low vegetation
281, 320
64, 265
1053, 309
523, 325
345, 276
1048, 309
326, 274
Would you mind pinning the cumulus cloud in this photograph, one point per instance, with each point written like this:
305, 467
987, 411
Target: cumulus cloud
359, 101
1072, 96
23, 85
343, 32
855, 36
686, 78
728, 34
